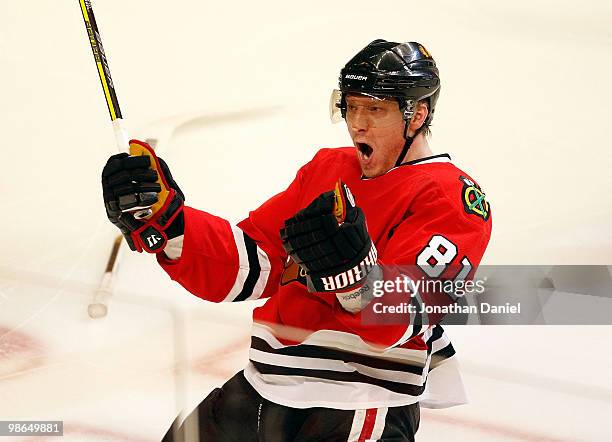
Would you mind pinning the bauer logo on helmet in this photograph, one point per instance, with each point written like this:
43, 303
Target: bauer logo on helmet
356, 77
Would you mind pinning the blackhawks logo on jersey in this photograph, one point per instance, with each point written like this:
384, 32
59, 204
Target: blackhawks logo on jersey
473, 199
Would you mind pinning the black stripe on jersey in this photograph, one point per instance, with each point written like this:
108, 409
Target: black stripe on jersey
445, 352
436, 333
314, 351
396, 387
254, 269
441, 355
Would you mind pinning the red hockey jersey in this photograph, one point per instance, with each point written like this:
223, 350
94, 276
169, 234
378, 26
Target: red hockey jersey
306, 350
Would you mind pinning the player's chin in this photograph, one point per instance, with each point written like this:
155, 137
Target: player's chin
373, 167
372, 172
370, 169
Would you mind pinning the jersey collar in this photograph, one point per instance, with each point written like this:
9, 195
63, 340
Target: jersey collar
440, 158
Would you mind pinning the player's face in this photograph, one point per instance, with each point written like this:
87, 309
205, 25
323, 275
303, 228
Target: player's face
377, 129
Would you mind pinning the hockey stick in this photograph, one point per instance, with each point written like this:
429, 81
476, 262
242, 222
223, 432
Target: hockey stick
98, 308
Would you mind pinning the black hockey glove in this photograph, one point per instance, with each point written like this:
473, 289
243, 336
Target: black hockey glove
141, 181
330, 241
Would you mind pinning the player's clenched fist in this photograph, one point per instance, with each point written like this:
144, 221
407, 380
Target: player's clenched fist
329, 239
142, 181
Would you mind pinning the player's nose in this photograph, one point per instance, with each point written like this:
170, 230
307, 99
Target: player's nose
359, 120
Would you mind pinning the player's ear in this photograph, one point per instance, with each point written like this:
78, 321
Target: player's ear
420, 115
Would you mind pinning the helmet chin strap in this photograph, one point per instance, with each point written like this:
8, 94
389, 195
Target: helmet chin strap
407, 144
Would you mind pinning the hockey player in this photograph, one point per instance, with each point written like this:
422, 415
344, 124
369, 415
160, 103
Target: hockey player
319, 367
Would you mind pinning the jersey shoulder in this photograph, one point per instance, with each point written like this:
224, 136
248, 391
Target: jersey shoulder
457, 186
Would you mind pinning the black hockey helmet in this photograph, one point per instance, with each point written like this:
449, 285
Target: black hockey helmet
404, 71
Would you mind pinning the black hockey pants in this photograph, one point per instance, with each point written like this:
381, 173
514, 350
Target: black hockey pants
237, 413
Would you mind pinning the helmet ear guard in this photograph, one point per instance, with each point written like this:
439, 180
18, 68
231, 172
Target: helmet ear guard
407, 108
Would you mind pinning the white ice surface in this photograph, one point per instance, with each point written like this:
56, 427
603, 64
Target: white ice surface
524, 108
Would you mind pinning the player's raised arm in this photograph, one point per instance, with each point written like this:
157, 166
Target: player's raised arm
207, 255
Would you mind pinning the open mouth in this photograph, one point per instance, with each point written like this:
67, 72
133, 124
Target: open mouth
365, 149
